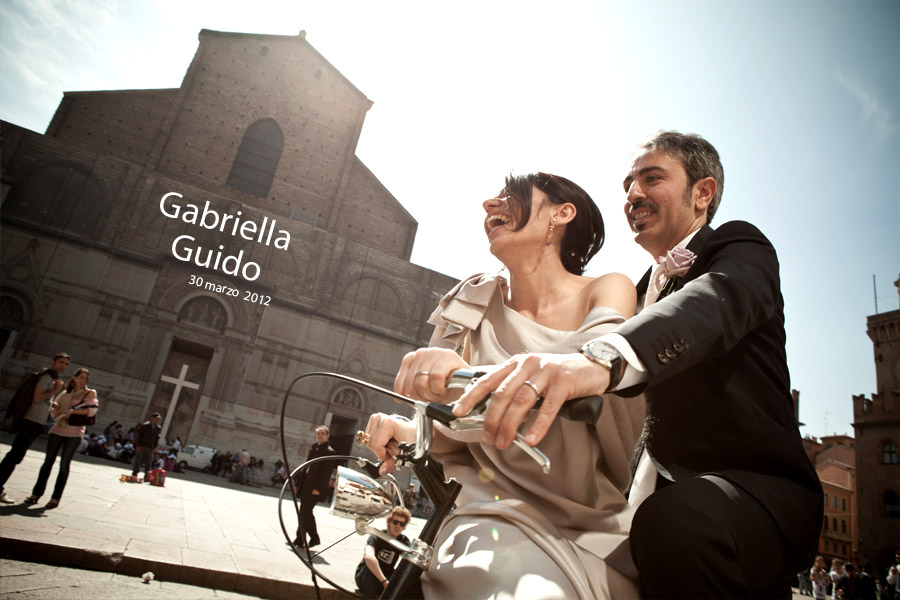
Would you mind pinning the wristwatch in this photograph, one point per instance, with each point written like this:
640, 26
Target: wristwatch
606, 355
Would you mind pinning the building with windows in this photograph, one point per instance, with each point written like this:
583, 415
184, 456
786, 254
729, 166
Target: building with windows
198, 248
876, 422
834, 458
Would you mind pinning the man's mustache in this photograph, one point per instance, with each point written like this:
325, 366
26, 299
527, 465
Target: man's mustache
637, 206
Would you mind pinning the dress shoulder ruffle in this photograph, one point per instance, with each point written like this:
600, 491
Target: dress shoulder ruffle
462, 310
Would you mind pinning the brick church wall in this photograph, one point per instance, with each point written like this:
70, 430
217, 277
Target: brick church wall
125, 124
87, 255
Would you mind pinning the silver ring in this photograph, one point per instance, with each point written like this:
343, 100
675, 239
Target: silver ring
535, 388
422, 373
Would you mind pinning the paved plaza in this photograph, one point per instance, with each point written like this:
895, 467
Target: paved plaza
198, 530
201, 537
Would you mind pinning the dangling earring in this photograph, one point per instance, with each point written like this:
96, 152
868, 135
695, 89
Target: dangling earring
550, 231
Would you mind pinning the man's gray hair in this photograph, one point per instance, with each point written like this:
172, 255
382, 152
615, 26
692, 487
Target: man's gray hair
698, 158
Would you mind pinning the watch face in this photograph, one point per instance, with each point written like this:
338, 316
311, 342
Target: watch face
601, 351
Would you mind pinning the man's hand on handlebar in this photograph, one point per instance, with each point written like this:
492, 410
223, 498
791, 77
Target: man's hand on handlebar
555, 377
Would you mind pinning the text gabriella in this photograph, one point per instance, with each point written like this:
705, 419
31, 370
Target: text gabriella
184, 247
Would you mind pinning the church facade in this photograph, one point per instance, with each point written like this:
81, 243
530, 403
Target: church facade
199, 248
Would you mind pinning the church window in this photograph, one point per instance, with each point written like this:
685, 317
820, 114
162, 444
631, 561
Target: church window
843, 526
834, 523
889, 453
373, 300
891, 505
257, 158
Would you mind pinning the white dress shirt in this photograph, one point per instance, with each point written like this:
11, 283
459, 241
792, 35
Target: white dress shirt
634, 373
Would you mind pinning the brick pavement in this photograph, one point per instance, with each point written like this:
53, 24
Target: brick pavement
199, 530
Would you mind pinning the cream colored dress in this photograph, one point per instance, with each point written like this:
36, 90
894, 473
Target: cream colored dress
518, 532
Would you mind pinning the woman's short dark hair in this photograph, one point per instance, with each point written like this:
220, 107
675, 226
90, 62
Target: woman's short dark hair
584, 234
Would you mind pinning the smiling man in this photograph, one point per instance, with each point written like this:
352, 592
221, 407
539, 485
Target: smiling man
728, 504
380, 558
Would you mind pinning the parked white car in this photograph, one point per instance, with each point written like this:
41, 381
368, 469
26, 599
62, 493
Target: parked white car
195, 457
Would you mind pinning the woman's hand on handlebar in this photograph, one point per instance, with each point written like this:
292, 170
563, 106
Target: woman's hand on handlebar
384, 434
516, 386
424, 373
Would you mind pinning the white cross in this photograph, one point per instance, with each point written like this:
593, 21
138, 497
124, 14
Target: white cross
180, 382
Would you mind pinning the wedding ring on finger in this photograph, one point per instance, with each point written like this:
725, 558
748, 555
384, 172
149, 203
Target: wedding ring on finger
362, 438
535, 388
422, 373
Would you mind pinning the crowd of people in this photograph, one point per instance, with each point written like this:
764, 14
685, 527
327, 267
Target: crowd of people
43, 403
848, 581
114, 443
243, 468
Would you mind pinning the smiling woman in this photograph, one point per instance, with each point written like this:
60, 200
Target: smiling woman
77, 400
582, 238
514, 521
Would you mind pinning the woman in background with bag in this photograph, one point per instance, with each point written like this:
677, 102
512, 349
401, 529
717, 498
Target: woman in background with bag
74, 409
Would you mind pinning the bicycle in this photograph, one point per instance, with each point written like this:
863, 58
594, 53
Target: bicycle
377, 502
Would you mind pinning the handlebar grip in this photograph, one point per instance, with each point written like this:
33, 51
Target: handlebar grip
440, 412
583, 410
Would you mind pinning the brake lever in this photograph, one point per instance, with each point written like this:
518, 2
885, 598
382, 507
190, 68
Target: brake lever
463, 378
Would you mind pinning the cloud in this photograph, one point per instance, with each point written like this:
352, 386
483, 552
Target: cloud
51, 46
875, 112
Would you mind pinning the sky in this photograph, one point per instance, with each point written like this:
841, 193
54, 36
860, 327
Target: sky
801, 99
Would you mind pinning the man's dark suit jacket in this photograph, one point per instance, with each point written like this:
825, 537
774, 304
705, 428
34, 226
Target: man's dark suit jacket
147, 435
318, 476
718, 396
24, 397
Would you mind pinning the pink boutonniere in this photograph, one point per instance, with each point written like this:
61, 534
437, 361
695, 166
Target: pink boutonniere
675, 263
